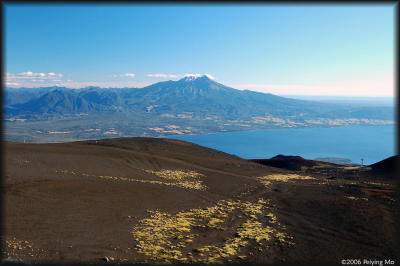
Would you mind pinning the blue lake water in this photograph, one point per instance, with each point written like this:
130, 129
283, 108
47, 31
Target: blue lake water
372, 143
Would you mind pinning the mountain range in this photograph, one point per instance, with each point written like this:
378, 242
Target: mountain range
189, 105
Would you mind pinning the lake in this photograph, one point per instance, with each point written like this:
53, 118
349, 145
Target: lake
372, 143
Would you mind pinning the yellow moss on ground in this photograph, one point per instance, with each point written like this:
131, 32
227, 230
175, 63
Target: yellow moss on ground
303, 168
175, 174
18, 249
185, 178
162, 235
323, 165
266, 180
376, 183
215, 221
351, 167
351, 197
177, 178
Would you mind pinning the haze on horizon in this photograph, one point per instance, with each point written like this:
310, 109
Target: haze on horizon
287, 49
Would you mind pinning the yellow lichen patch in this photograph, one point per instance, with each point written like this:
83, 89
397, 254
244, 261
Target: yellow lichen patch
175, 174
303, 168
351, 167
354, 198
377, 183
263, 180
253, 229
262, 201
322, 165
281, 236
168, 236
18, 249
272, 217
183, 179
351, 197
155, 235
215, 221
266, 180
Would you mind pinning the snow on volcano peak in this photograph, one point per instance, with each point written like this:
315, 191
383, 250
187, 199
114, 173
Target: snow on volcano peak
190, 77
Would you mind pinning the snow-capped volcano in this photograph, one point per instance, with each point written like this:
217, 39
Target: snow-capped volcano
191, 77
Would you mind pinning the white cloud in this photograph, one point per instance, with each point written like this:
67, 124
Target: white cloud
34, 80
28, 73
131, 75
83, 84
79, 84
29, 78
12, 84
31, 75
162, 75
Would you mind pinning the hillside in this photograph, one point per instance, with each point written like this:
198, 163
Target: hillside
144, 200
385, 166
187, 106
385, 169
286, 162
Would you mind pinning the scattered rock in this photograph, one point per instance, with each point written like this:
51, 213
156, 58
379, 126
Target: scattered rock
139, 246
105, 259
11, 261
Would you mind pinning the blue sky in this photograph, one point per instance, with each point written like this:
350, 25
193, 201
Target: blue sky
282, 49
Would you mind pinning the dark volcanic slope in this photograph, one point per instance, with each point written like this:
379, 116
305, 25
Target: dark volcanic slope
385, 169
154, 200
286, 162
388, 164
